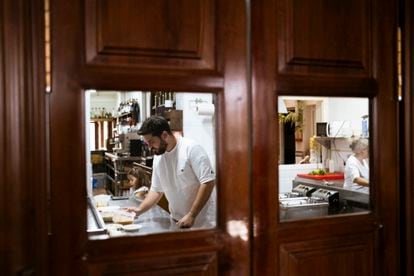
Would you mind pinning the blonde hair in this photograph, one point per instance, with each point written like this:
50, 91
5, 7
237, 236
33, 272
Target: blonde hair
359, 145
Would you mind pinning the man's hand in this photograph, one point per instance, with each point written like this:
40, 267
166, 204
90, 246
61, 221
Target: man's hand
187, 221
136, 210
151, 199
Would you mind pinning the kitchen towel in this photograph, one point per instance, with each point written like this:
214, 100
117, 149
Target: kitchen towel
205, 109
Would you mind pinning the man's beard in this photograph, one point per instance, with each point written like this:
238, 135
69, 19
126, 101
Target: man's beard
162, 148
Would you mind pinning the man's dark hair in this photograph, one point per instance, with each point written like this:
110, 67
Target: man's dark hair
154, 125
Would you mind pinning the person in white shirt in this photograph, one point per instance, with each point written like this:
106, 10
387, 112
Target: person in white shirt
357, 166
183, 172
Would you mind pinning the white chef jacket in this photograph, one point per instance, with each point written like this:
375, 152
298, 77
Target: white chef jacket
354, 168
178, 174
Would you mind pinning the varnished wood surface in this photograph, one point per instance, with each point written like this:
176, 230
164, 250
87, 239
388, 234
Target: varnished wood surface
335, 42
226, 75
23, 215
324, 45
384, 160
264, 126
350, 255
67, 161
118, 34
407, 140
249, 239
298, 63
205, 263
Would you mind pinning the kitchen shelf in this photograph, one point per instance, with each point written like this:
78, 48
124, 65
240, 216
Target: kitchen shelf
110, 178
103, 120
117, 170
124, 115
326, 141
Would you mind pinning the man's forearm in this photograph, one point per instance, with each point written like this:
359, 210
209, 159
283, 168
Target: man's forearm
361, 181
150, 200
203, 194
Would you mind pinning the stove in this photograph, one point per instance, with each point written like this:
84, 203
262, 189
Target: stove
306, 201
302, 207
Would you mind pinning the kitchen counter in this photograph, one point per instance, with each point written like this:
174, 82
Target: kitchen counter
122, 157
359, 198
350, 201
155, 220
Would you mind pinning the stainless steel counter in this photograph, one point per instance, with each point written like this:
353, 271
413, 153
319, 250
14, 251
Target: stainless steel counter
115, 157
360, 198
155, 220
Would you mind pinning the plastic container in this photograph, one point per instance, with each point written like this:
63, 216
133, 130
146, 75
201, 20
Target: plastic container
101, 200
123, 217
107, 212
99, 180
365, 126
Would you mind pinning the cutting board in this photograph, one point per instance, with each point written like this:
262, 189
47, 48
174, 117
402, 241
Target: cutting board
328, 176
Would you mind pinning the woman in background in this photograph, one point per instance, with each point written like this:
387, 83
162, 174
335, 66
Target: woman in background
357, 167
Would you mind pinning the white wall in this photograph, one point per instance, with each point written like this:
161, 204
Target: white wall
338, 109
106, 99
287, 174
197, 127
346, 109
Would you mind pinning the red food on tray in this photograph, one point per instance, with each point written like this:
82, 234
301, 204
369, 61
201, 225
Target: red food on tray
328, 176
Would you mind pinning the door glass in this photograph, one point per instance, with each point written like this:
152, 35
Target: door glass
323, 156
157, 147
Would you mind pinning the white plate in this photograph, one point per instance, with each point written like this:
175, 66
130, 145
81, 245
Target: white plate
114, 226
132, 227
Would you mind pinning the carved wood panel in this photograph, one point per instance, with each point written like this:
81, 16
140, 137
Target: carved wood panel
127, 62
150, 34
408, 153
23, 157
317, 37
194, 264
338, 256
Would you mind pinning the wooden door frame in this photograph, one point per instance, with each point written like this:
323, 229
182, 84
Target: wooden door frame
383, 222
407, 141
72, 253
23, 159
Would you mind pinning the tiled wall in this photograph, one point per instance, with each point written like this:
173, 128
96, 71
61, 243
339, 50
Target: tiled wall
287, 174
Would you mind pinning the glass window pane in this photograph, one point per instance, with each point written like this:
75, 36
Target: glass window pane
152, 147
323, 156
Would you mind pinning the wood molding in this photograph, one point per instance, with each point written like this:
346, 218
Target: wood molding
224, 74
191, 264
292, 57
156, 34
339, 256
318, 34
264, 137
23, 138
321, 41
407, 145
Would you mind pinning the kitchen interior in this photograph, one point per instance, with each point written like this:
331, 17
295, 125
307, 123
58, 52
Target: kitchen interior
315, 137
119, 163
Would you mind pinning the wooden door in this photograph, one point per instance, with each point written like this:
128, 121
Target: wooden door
23, 196
407, 141
184, 45
325, 48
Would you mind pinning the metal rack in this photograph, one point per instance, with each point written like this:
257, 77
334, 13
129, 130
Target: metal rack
117, 171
